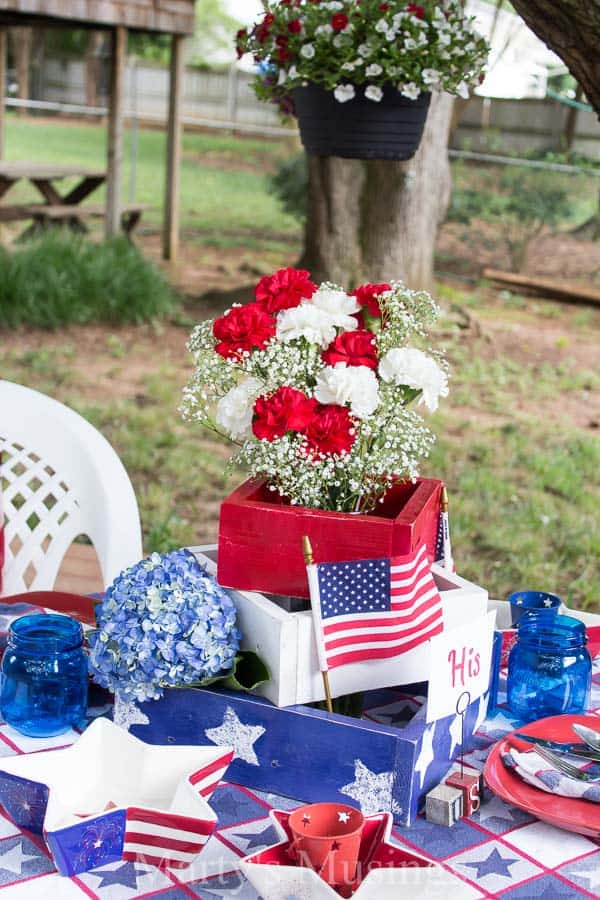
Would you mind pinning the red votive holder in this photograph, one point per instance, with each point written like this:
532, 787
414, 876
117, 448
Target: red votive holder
326, 838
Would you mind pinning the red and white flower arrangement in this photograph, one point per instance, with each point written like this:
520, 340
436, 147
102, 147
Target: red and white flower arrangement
354, 47
315, 386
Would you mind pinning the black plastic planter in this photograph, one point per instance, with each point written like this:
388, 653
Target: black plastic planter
360, 128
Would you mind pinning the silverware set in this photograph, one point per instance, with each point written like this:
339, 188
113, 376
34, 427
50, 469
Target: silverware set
553, 752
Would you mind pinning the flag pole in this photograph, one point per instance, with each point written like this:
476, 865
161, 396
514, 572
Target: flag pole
308, 559
448, 561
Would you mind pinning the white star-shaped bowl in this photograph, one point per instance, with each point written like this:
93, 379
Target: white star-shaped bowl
383, 869
110, 796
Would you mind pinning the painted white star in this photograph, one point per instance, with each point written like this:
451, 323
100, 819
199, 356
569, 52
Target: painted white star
455, 731
426, 754
233, 733
343, 817
97, 843
481, 712
12, 860
126, 713
547, 602
372, 790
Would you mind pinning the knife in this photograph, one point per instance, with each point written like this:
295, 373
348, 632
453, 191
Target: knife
574, 749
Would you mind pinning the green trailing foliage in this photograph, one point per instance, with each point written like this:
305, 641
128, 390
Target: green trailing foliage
61, 279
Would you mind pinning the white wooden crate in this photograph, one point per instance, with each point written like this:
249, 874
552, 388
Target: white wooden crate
285, 640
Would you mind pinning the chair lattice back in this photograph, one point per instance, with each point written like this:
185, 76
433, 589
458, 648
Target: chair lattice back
42, 516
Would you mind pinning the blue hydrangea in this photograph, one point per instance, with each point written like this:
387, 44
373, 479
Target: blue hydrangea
164, 622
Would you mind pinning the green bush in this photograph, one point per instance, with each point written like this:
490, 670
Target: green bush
290, 185
519, 203
61, 278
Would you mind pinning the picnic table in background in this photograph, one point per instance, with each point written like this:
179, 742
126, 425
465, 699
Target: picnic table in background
58, 207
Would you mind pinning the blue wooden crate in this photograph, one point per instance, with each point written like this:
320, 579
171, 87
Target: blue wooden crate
312, 755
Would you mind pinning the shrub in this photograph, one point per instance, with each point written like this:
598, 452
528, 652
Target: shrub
290, 185
520, 204
61, 278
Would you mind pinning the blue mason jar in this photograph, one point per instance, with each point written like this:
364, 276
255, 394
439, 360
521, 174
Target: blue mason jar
44, 681
549, 668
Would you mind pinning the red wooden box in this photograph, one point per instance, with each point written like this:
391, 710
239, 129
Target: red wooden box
260, 535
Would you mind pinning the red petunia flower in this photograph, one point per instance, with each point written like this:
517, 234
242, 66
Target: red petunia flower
416, 10
282, 40
286, 410
295, 26
367, 295
339, 21
268, 20
330, 431
243, 328
284, 289
355, 348
384, 7
282, 54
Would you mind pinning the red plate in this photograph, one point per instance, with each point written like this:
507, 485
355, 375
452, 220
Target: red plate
581, 816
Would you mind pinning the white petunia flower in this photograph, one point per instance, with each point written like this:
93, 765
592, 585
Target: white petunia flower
373, 92
410, 44
324, 29
409, 90
307, 51
365, 50
344, 92
335, 302
431, 76
413, 368
463, 90
282, 76
353, 385
334, 5
348, 67
234, 410
293, 72
338, 40
444, 38
382, 26
373, 70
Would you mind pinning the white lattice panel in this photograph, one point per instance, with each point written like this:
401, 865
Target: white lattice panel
42, 517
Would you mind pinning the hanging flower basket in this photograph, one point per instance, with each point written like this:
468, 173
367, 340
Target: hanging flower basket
358, 128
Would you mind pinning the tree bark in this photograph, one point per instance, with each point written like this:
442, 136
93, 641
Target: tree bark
374, 220
572, 29
22, 39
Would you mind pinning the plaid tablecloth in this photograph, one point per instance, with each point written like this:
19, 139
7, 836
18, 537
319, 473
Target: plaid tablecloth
500, 852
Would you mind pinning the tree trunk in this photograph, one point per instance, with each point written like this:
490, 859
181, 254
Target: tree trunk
22, 38
93, 67
572, 29
373, 220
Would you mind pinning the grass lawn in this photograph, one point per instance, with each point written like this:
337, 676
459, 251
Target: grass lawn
518, 438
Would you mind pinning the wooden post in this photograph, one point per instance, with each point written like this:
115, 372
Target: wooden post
115, 131
171, 213
2, 89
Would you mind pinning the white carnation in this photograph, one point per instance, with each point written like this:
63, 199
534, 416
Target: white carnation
344, 92
353, 385
235, 409
373, 70
307, 51
409, 90
337, 303
306, 321
413, 368
373, 93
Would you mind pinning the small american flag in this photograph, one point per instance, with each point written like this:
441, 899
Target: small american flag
375, 608
163, 838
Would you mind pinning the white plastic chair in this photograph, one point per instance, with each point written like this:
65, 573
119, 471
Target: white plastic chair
60, 479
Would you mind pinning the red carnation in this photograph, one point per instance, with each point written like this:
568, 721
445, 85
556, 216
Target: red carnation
295, 26
286, 410
243, 328
367, 295
284, 289
355, 348
416, 10
339, 21
329, 431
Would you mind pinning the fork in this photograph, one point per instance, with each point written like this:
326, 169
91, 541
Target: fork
563, 766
